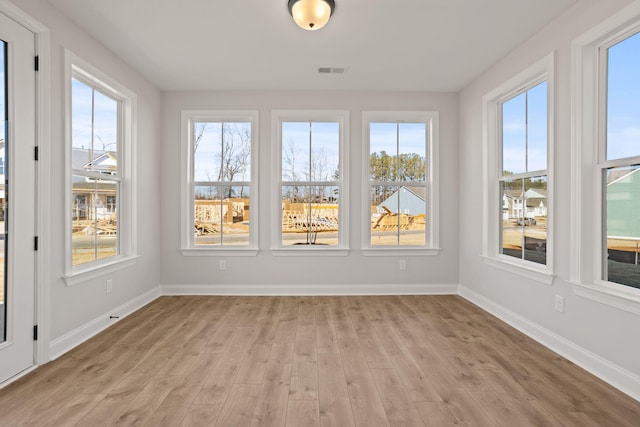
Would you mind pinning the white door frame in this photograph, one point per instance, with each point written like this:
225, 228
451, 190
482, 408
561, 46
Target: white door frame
43, 202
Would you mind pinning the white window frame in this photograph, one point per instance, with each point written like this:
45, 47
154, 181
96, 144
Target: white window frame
588, 134
492, 142
277, 118
432, 226
187, 246
76, 67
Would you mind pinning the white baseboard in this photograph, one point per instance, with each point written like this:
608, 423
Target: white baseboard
618, 377
311, 290
61, 345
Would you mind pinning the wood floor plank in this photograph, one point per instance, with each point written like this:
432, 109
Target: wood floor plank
363, 395
239, 407
437, 414
333, 395
398, 406
304, 380
271, 405
303, 413
329, 361
147, 401
252, 369
116, 402
201, 415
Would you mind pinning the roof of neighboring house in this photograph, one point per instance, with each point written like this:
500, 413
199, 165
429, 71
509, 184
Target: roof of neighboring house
532, 193
421, 192
83, 159
621, 175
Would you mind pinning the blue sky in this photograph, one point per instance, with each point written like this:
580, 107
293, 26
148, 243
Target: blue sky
105, 121
324, 150
623, 124
207, 161
524, 131
411, 138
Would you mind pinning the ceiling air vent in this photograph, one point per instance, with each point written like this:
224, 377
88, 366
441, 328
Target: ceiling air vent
332, 70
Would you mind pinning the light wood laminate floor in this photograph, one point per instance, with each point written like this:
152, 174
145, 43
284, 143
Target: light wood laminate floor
312, 361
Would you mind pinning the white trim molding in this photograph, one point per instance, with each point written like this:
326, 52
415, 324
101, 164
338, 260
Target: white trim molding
618, 377
587, 128
542, 70
309, 289
72, 339
188, 118
43, 136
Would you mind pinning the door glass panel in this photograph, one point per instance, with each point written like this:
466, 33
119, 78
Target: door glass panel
3, 198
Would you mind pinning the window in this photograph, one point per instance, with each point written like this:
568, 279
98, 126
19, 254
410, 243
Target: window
219, 151
518, 173
606, 159
100, 143
523, 180
619, 163
311, 198
399, 209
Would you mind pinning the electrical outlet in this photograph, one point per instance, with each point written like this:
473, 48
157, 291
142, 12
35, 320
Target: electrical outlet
222, 265
403, 264
559, 303
109, 286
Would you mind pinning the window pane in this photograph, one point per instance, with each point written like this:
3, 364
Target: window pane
398, 216
623, 99
535, 220
94, 219
514, 135
412, 147
411, 215
537, 128
94, 129
623, 225
524, 218
207, 149
221, 215
325, 151
296, 147
105, 123
208, 213
222, 151
512, 222
311, 217
81, 117
383, 147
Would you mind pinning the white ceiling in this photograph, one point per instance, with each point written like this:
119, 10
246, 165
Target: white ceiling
418, 45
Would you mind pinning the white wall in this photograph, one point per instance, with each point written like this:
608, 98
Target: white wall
604, 336
265, 270
72, 307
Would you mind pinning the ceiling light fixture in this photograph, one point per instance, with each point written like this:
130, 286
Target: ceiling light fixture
311, 14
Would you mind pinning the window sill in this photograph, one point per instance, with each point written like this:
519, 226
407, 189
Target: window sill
609, 294
310, 251
530, 272
100, 270
400, 251
228, 252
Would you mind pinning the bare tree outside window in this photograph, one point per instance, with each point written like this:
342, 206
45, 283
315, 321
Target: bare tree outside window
221, 176
309, 171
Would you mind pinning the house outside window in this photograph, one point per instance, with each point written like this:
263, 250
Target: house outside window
523, 180
95, 139
518, 173
101, 135
220, 189
312, 201
400, 202
619, 163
